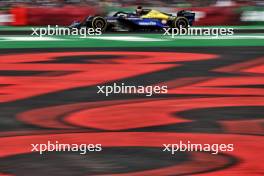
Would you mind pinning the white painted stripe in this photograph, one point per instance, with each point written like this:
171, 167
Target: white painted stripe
219, 37
128, 38
132, 38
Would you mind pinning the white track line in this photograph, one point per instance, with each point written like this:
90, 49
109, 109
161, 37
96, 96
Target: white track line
133, 38
128, 38
218, 38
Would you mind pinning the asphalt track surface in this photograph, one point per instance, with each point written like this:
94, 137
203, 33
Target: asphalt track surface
215, 96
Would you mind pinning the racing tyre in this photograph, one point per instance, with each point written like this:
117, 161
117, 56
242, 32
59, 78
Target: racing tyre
99, 22
181, 22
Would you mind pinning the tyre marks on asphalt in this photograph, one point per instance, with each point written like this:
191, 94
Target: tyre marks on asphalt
207, 103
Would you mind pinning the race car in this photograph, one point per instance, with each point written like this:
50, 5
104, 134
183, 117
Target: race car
142, 20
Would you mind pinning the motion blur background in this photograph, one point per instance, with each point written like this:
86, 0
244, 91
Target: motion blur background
63, 12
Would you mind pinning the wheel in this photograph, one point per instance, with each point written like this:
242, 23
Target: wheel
181, 22
99, 22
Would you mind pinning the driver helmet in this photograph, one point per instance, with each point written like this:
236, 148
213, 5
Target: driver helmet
139, 10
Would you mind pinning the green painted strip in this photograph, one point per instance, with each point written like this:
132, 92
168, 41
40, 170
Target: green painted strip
135, 40
108, 43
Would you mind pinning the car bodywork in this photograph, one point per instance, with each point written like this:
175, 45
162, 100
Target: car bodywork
147, 21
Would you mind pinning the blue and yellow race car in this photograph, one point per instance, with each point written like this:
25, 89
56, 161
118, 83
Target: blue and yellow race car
141, 20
